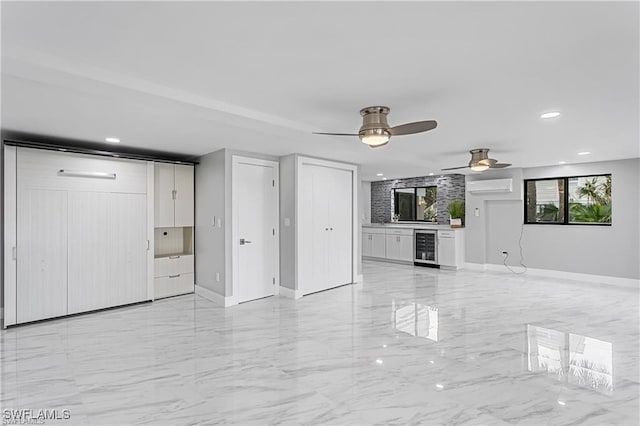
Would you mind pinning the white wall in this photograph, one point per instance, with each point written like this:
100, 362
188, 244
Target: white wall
600, 250
365, 197
210, 240
213, 245
288, 247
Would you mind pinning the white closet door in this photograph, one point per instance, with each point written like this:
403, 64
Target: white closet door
163, 200
340, 198
184, 202
315, 217
42, 254
127, 248
88, 251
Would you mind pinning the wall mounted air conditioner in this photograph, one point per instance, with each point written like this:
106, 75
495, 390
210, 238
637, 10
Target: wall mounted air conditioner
491, 185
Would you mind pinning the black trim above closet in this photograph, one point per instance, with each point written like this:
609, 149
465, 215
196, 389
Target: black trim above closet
93, 148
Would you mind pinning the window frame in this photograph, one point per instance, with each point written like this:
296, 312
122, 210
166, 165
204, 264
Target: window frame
565, 201
415, 200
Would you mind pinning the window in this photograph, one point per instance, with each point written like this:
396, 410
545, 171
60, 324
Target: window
569, 201
415, 204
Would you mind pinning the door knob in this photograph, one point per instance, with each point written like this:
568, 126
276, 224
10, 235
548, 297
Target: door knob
243, 241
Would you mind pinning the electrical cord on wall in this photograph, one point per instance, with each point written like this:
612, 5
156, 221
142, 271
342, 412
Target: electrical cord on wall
504, 262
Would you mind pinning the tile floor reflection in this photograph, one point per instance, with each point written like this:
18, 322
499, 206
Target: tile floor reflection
410, 345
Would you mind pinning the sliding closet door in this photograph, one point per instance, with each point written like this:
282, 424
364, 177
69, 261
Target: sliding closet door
41, 254
88, 251
127, 248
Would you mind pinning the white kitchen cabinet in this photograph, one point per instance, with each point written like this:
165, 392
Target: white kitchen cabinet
326, 219
373, 242
174, 195
80, 234
378, 245
399, 247
367, 243
451, 248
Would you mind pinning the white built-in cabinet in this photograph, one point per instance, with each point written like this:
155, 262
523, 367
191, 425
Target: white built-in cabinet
326, 224
399, 244
174, 195
77, 233
173, 233
451, 248
373, 242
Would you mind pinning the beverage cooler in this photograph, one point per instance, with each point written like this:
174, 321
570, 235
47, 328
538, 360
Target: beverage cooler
425, 247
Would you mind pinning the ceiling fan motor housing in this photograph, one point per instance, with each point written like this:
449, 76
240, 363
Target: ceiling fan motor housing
374, 118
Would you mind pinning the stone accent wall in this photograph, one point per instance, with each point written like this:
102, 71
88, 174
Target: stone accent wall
450, 187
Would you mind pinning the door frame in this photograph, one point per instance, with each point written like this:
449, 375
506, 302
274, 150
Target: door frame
355, 228
236, 160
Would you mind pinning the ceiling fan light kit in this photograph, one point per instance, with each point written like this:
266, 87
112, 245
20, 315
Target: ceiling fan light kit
375, 130
480, 161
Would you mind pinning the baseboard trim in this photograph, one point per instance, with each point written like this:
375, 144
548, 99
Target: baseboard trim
291, 294
475, 266
214, 297
590, 278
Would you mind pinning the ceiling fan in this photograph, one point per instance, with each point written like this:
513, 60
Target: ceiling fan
480, 161
375, 130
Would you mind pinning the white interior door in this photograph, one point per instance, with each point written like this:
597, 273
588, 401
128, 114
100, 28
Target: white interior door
42, 254
340, 226
255, 223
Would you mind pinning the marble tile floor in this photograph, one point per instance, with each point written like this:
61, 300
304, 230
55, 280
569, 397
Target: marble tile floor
410, 345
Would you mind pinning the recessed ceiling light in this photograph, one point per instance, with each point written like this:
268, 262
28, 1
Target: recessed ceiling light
550, 114
562, 162
562, 402
112, 140
430, 174
380, 174
379, 361
384, 178
584, 153
440, 386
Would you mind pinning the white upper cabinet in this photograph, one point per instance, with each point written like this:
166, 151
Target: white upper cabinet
184, 201
174, 195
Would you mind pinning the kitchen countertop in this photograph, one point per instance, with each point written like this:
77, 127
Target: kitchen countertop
408, 226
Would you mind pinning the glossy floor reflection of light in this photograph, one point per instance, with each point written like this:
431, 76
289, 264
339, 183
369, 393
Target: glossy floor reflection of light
410, 345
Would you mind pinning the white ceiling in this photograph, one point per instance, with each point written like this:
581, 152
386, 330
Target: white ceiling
199, 76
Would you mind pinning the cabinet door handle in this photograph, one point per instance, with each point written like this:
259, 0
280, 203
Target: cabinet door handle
174, 257
174, 276
173, 194
330, 229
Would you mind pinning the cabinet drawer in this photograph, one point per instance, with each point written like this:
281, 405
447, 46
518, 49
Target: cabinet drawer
173, 286
399, 231
173, 265
446, 234
373, 230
